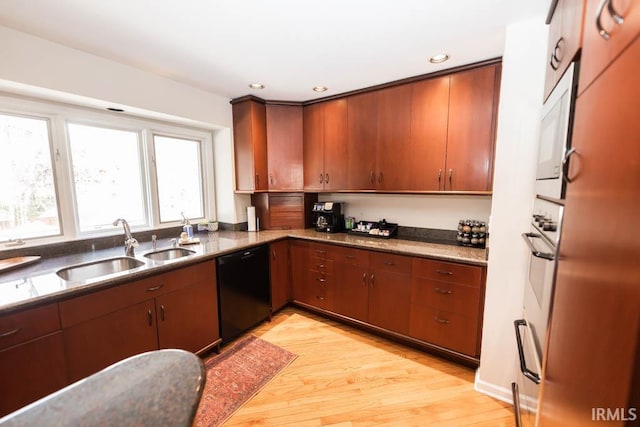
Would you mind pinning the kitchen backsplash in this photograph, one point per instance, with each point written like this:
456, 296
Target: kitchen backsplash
435, 212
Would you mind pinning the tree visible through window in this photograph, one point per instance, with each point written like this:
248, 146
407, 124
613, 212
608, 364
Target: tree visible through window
28, 203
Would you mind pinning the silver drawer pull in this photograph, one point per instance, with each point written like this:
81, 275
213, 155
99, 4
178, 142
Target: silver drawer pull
155, 288
9, 333
443, 291
320, 265
439, 320
445, 273
320, 279
389, 263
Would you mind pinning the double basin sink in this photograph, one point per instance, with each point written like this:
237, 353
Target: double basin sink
104, 267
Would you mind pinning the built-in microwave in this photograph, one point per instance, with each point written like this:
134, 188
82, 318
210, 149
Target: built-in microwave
555, 136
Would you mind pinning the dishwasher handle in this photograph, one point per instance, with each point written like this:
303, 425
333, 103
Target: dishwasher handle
523, 363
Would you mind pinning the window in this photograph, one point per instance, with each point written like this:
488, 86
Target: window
68, 172
107, 176
179, 178
28, 203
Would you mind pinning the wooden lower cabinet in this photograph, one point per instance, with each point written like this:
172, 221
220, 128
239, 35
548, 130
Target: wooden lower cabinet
31, 370
351, 295
32, 363
279, 274
97, 343
446, 304
178, 309
390, 291
438, 303
185, 318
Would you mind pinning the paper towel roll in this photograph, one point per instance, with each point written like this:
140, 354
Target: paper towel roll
251, 218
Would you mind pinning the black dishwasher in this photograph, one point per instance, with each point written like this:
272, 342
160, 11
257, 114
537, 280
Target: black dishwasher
244, 294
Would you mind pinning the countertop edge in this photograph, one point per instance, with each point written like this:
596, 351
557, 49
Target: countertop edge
410, 248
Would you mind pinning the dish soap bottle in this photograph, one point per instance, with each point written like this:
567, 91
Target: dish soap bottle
187, 227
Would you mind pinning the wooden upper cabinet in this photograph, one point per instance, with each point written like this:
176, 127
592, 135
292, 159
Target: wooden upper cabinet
284, 147
361, 141
250, 145
565, 37
325, 135
428, 147
393, 154
335, 142
599, 50
313, 147
471, 130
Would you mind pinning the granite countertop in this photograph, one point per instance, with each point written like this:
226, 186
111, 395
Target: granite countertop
158, 388
38, 283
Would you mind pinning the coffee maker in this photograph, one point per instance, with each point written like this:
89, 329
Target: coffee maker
327, 217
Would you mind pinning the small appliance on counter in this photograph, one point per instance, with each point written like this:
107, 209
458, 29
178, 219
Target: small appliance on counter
380, 229
327, 217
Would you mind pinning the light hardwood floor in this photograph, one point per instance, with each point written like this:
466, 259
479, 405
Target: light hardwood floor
346, 377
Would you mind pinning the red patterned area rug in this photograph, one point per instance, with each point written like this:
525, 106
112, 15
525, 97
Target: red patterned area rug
236, 375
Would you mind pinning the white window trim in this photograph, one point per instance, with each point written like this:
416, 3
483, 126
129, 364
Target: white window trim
59, 115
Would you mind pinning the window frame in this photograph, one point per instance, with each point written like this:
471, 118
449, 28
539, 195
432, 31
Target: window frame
59, 115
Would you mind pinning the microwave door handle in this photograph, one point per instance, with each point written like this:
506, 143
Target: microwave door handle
523, 363
535, 252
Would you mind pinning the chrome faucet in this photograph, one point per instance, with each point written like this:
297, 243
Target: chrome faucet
130, 242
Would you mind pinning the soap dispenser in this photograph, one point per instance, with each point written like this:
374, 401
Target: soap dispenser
187, 227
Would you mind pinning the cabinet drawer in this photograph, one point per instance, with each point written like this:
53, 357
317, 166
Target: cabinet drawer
446, 329
389, 262
349, 256
459, 299
321, 265
322, 251
28, 324
99, 303
470, 275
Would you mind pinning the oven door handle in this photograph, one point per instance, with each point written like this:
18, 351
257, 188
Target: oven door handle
535, 252
523, 363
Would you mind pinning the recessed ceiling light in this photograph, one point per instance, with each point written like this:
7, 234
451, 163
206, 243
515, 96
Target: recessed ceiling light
256, 86
436, 59
320, 88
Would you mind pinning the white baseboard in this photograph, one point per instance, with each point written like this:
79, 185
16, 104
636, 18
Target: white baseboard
495, 391
500, 393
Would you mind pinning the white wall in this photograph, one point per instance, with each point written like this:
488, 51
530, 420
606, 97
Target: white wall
521, 90
427, 211
32, 66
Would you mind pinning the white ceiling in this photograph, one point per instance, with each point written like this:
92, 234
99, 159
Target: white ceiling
288, 45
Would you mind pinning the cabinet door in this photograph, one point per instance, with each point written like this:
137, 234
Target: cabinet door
390, 291
429, 115
471, 130
361, 141
188, 318
284, 147
299, 253
351, 294
95, 344
313, 147
598, 52
31, 370
393, 153
279, 274
250, 146
335, 143
565, 36
594, 317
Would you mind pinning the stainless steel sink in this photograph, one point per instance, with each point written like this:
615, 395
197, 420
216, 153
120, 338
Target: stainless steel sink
167, 254
98, 268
